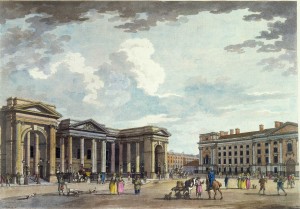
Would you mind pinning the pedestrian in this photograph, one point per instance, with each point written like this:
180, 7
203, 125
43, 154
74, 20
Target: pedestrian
280, 181
137, 184
7, 179
113, 185
199, 187
248, 183
128, 176
103, 178
211, 177
121, 184
226, 181
99, 178
262, 182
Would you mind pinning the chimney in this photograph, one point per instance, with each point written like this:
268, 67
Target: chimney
261, 127
277, 124
231, 131
221, 133
237, 131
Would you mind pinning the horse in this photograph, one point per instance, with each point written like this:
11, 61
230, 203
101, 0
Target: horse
216, 185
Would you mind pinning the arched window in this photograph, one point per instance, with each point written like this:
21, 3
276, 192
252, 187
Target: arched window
289, 147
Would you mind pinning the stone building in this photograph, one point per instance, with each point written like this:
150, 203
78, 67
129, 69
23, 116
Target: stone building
33, 137
272, 150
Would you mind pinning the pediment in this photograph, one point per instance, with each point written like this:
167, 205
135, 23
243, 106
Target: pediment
38, 108
89, 125
286, 128
163, 133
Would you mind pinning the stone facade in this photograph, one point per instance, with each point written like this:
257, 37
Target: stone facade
178, 160
32, 137
272, 150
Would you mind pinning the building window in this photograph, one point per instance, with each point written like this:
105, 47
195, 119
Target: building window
219, 154
219, 161
219, 148
241, 146
229, 147
224, 161
78, 154
258, 151
235, 153
247, 152
235, 161
235, 147
258, 144
224, 153
275, 159
241, 152
229, 153
267, 151
275, 143
89, 154
229, 161
247, 146
57, 152
247, 160
267, 159
266, 144
258, 160
241, 160
31, 151
275, 149
289, 147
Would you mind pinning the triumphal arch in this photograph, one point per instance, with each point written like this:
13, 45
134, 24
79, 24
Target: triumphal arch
33, 137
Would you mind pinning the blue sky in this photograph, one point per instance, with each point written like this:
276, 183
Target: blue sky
191, 67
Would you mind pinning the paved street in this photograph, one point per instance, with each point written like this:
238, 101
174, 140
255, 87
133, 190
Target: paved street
152, 196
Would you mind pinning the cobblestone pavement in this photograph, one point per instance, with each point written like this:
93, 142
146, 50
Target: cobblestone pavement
152, 196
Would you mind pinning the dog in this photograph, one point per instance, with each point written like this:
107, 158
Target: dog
92, 191
254, 186
168, 196
31, 195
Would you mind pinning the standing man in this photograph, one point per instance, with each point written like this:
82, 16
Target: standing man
262, 183
226, 181
211, 177
280, 182
137, 184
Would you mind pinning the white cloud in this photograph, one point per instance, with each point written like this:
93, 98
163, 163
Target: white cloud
148, 74
153, 119
37, 74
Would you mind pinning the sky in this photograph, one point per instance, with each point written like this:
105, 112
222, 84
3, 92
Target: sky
190, 67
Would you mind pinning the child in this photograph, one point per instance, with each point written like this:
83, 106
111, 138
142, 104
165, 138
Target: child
199, 187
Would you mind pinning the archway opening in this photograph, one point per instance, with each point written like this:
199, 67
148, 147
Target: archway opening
159, 159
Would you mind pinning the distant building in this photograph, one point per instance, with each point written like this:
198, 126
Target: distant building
272, 150
178, 160
191, 167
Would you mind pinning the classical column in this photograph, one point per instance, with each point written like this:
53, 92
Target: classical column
62, 154
36, 153
269, 147
82, 152
52, 160
113, 160
94, 156
153, 158
19, 149
166, 161
128, 157
200, 156
103, 156
70, 154
280, 151
121, 157
253, 154
213, 156
137, 157
27, 160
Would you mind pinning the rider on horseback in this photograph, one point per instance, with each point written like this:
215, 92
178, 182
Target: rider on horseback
211, 177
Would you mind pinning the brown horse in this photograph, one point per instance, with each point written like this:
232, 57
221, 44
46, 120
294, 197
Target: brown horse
216, 187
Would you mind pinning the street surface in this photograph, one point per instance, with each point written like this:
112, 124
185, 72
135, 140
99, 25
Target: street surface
152, 196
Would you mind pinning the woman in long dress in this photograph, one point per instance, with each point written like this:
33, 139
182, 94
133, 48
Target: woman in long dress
199, 187
121, 185
113, 185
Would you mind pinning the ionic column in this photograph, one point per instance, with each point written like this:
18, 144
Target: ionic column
269, 145
52, 160
121, 157
137, 157
94, 156
280, 151
82, 151
62, 154
103, 156
19, 150
36, 153
113, 159
128, 158
70, 154
27, 161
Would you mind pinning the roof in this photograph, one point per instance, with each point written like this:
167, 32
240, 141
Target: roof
245, 134
193, 163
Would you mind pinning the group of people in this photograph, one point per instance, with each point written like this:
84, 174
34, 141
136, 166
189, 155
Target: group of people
243, 181
117, 184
